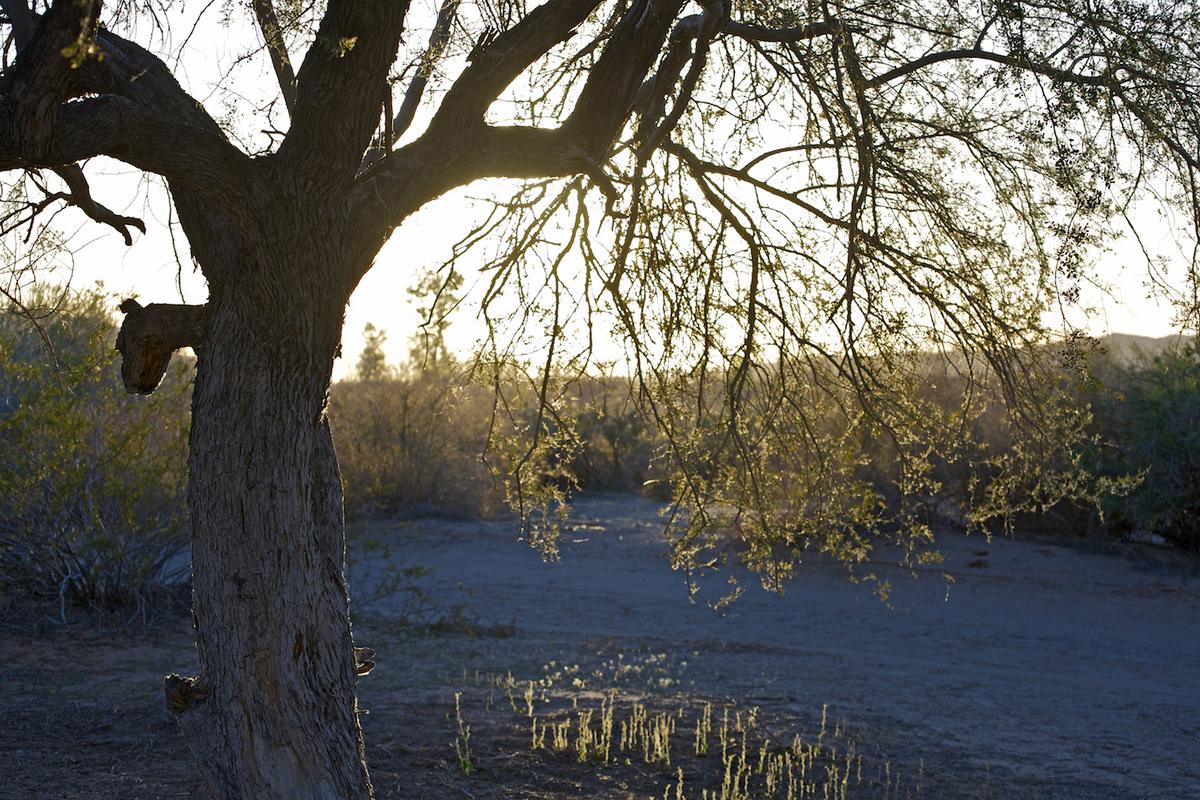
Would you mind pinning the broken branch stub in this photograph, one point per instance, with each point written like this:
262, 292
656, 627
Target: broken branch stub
148, 336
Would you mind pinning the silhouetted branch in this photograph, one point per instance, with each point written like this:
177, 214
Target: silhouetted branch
268, 24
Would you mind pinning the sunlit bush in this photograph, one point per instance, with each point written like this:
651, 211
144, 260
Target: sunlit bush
413, 441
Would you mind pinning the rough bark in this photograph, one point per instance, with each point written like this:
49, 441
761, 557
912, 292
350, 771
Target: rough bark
272, 713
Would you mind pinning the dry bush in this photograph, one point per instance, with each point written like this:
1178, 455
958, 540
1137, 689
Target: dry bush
414, 442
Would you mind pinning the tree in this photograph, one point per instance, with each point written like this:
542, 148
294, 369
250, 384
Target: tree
372, 361
438, 296
798, 195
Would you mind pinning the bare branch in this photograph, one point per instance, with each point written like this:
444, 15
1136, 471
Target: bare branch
437, 43
651, 100
268, 23
758, 33
81, 197
459, 148
499, 63
400, 122
979, 54
1108, 78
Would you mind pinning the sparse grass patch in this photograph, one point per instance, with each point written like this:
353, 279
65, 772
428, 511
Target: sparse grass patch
673, 747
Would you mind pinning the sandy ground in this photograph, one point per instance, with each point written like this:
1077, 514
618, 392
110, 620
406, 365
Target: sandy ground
1064, 672
1048, 670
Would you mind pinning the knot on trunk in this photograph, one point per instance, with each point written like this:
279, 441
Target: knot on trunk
364, 660
148, 336
183, 693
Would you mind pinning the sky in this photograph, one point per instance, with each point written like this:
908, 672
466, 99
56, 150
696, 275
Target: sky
150, 268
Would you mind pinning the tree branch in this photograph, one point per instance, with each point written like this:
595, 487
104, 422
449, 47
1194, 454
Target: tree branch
599, 114
81, 197
21, 20
1105, 79
118, 127
498, 64
268, 23
459, 148
700, 29
38, 82
37, 64
341, 85
758, 33
154, 126
128, 69
400, 123
149, 335
979, 54
437, 43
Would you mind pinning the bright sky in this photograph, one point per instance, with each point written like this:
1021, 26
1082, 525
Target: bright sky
149, 269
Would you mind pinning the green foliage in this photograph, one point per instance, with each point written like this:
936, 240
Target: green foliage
1151, 414
91, 480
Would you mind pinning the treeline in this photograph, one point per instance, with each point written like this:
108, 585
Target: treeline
91, 479
413, 438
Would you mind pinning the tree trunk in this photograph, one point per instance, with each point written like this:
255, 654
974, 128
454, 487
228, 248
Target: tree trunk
273, 713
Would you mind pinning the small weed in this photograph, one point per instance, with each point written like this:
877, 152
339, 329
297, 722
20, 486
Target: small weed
462, 741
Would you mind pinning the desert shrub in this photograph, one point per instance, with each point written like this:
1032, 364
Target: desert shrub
1151, 415
91, 479
953, 450
411, 441
618, 444
476, 439
1139, 421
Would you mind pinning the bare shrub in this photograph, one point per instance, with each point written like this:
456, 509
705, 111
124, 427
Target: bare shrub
413, 441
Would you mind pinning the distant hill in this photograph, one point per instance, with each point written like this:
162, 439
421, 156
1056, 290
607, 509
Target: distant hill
1128, 347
